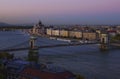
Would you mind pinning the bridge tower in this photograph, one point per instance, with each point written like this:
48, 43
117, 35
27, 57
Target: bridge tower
32, 42
33, 54
104, 41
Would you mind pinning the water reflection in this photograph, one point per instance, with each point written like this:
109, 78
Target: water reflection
33, 55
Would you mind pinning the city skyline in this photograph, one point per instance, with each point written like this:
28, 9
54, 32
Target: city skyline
60, 11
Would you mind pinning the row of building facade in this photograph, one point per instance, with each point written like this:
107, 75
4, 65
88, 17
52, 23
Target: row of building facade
71, 34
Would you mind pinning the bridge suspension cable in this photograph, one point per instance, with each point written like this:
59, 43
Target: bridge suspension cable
18, 45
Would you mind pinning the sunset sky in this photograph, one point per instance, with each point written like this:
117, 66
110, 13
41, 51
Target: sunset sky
60, 11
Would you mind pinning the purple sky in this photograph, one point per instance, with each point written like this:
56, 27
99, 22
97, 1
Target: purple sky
60, 11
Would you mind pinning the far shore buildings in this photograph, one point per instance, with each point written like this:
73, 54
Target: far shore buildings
89, 35
55, 32
76, 34
118, 29
83, 32
64, 33
37, 29
49, 31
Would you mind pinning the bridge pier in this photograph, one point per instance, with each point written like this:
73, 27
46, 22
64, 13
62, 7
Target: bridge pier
33, 54
104, 45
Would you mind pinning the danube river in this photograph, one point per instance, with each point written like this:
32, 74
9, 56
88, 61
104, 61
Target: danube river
86, 60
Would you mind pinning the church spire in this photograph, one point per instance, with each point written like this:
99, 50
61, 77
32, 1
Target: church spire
39, 23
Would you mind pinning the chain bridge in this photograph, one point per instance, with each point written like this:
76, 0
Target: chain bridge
34, 43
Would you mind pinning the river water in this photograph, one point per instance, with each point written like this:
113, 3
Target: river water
86, 60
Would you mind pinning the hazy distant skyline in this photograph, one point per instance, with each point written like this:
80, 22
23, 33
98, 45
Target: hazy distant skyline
60, 11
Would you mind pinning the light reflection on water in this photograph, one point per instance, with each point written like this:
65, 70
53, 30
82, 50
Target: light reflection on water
86, 60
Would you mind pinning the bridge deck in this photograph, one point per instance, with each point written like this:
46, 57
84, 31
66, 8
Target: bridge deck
47, 46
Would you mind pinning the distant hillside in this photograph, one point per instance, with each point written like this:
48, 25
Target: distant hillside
4, 24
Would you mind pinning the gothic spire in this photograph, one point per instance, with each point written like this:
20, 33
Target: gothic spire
39, 23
